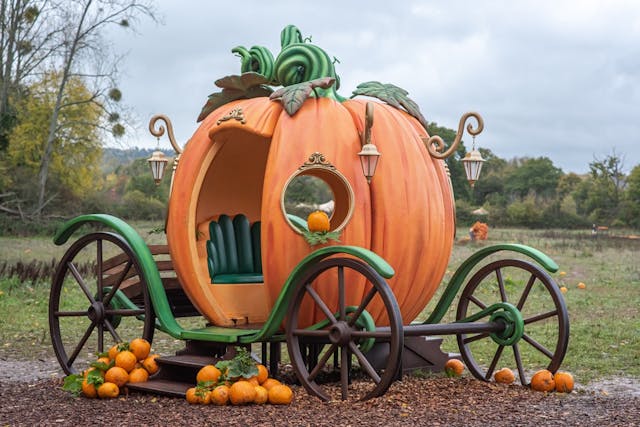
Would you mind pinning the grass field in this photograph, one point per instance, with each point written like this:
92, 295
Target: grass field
604, 317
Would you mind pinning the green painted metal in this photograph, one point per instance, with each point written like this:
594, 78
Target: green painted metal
158, 296
280, 307
509, 315
463, 271
165, 320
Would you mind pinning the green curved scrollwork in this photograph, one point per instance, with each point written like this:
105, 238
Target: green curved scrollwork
290, 35
300, 62
258, 59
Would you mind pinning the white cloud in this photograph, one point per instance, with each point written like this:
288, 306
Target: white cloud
557, 78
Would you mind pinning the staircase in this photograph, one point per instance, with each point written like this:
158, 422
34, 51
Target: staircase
178, 373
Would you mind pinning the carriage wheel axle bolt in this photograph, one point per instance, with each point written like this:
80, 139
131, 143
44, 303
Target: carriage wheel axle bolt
340, 333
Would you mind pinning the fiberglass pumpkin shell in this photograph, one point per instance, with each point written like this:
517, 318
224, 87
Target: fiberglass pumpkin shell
405, 214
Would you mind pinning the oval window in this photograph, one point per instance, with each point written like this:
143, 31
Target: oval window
317, 185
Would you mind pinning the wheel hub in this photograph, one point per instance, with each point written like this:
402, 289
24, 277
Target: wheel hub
96, 312
340, 333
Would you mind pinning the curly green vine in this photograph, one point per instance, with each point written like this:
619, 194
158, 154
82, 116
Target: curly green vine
258, 59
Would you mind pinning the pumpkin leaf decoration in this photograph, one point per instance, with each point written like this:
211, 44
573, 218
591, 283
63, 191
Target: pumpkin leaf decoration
314, 238
292, 97
234, 87
242, 365
392, 95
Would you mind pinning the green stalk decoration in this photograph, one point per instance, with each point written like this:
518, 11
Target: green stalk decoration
304, 70
300, 62
258, 59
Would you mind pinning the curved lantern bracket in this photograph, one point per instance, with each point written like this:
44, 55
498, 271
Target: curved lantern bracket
158, 161
473, 160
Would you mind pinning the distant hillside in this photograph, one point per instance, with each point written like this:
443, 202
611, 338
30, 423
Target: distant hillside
114, 157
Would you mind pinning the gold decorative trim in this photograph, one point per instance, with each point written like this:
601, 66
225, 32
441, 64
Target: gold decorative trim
235, 114
317, 160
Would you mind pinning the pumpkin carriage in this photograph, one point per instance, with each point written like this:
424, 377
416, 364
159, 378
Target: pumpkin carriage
240, 258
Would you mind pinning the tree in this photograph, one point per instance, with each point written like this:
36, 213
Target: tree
27, 40
605, 187
533, 175
75, 160
84, 22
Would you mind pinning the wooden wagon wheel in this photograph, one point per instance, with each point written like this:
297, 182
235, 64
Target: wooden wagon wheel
341, 333
83, 312
546, 323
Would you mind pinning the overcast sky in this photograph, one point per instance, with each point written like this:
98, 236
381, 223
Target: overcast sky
552, 78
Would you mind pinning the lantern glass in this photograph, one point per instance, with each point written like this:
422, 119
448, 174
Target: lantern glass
473, 166
158, 163
369, 157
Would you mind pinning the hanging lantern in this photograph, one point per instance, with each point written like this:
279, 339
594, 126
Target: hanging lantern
369, 157
472, 166
158, 163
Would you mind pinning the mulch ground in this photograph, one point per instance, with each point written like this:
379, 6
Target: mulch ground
413, 401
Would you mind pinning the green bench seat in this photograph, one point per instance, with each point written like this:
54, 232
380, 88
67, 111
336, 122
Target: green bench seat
233, 250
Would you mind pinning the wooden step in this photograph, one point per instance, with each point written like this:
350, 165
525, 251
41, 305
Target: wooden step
194, 361
163, 387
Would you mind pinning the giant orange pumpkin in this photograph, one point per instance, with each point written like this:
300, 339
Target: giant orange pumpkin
243, 154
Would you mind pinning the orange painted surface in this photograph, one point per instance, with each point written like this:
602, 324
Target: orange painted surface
405, 215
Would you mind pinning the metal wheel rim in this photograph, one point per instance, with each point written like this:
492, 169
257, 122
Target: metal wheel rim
560, 312
103, 326
395, 337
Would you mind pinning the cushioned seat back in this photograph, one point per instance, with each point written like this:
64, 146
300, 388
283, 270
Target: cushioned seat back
234, 247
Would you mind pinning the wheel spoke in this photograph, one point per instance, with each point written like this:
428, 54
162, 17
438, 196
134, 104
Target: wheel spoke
70, 313
542, 349
477, 337
344, 372
503, 292
526, 291
81, 344
112, 330
321, 303
477, 302
99, 268
341, 295
494, 362
323, 361
100, 337
76, 274
518, 358
117, 284
365, 302
541, 316
364, 363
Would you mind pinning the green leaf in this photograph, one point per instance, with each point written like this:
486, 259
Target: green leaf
292, 97
95, 377
392, 95
245, 86
242, 365
314, 238
73, 384
242, 82
103, 366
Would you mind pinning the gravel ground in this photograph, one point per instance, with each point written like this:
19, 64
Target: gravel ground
30, 394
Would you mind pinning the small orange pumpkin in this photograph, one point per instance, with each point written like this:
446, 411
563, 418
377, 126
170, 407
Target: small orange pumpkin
543, 381
454, 368
564, 382
504, 376
318, 221
242, 393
